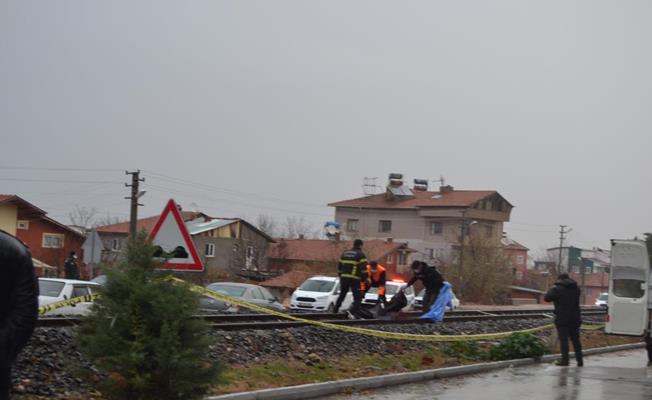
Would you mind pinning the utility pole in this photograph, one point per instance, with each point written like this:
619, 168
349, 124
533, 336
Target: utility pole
135, 195
562, 231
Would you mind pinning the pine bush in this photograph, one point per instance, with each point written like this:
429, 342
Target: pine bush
142, 335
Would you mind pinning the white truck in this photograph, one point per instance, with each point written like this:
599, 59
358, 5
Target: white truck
630, 284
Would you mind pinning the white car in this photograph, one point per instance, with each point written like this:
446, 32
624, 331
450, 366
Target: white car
52, 290
602, 300
418, 301
319, 293
391, 288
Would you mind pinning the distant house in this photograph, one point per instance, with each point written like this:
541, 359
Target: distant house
226, 246
431, 222
516, 253
49, 241
321, 256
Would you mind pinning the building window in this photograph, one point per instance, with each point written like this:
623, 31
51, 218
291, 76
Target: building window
24, 225
384, 226
430, 253
115, 245
52, 240
436, 228
520, 260
251, 255
210, 250
402, 258
390, 259
352, 225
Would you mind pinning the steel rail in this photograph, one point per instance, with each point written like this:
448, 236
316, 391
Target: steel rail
264, 321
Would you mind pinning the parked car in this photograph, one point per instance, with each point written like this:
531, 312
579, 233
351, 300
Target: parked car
391, 288
52, 290
319, 293
602, 300
418, 301
252, 293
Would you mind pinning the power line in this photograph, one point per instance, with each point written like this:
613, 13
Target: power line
58, 169
164, 189
57, 181
229, 191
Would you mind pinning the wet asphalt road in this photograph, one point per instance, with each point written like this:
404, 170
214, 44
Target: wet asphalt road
615, 376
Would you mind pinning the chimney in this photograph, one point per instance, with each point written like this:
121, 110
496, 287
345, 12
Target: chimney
446, 189
301, 237
337, 236
390, 240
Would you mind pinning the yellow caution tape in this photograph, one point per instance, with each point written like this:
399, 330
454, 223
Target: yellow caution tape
344, 328
65, 303
352, 329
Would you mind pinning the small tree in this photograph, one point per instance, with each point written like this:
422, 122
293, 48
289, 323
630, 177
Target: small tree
485, 274
142, 334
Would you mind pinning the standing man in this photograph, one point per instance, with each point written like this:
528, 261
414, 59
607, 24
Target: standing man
72, 272
18, 304
431, 279
350, 269
376, 277
566, 297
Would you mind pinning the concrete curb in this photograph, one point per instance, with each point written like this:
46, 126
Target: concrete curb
313, 390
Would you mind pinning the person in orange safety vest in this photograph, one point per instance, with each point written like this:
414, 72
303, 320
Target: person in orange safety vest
376, 277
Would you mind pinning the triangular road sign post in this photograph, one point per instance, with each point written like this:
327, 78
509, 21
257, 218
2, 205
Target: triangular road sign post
173, 241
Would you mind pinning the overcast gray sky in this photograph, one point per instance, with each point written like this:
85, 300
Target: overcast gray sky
289, 104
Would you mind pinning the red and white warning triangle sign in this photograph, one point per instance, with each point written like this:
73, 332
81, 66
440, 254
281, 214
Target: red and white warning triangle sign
173, 242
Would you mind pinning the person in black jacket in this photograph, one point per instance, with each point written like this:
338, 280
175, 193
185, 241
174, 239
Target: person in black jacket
70, 265
18, 304
351, 268
566, 297
431, 279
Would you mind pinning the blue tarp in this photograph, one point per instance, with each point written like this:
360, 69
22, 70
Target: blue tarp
445, 298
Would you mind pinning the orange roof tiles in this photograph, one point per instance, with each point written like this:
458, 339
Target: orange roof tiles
328, 250
457, 198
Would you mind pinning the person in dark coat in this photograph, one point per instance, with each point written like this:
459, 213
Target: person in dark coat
18, 304
351, 269
431, 279
566, 297
72, 272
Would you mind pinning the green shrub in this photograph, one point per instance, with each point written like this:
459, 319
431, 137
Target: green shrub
518, 345
142, 335
467, 350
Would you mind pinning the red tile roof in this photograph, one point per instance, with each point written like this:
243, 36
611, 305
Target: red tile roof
23, 205
328, 250
513, 244
289, 280
457, 198
144, 223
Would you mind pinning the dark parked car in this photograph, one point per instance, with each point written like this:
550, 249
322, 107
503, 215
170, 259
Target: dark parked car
252, 293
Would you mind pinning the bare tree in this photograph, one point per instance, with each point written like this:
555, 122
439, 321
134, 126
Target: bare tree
108, 219
485, 273
298, 227
267, 224
82, 216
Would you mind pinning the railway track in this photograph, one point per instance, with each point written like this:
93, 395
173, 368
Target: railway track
234, 322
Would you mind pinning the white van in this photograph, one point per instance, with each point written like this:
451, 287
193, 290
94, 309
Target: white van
629, 284
319, 293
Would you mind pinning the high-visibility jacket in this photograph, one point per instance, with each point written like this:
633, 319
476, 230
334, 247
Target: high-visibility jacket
351, 264
375, 279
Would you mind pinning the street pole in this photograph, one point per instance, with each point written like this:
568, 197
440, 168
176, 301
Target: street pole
562, 232
135, 194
